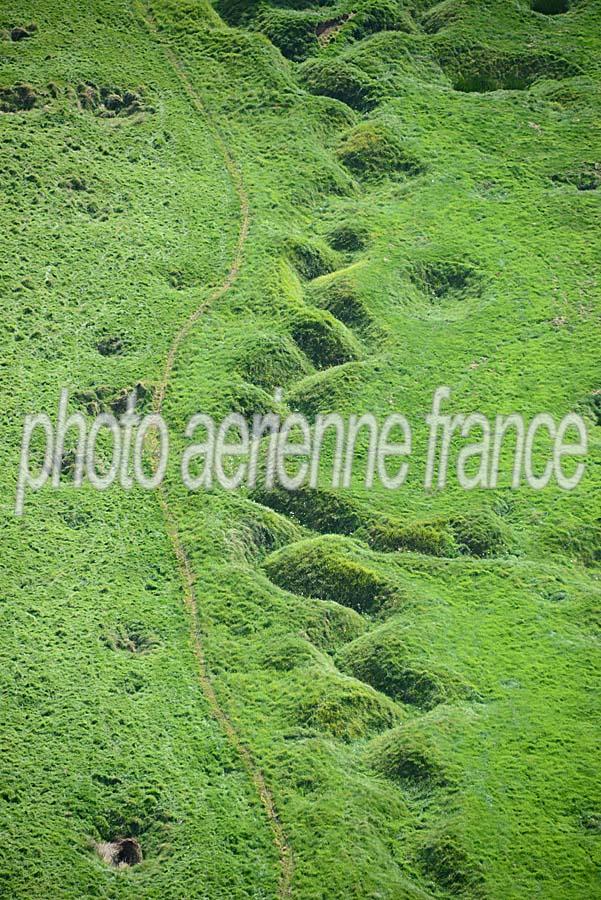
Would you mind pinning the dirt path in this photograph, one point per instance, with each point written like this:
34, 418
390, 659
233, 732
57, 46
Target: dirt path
255, 773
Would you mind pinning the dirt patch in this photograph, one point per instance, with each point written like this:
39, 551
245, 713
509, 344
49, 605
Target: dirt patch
19, 98
328, 30
108, 102
121, 853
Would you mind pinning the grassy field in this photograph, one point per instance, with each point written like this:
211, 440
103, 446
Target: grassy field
323, 695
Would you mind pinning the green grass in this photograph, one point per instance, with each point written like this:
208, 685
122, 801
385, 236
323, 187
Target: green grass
420, 690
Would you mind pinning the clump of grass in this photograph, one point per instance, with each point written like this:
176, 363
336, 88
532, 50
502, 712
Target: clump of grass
373, 150
434, 538
482, 534
322, 567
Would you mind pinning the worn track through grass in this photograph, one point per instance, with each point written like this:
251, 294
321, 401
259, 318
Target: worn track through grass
255, 773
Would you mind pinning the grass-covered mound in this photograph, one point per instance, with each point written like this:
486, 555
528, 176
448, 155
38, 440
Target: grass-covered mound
270, 360
325, 568
407, 754
382, 659
339, 80
342, 299
346, 709
325, 340
310, 258
482, 533
318, 509
372, 150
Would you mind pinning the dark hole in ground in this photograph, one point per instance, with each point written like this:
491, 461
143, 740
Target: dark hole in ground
593, 406
121, 852
592, 822
348, 238
20, 34
110, 101
111, 346
444, 280
131, 639
585, 178
75, 184
550, 7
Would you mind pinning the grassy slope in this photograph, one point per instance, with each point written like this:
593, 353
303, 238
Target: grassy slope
497, 777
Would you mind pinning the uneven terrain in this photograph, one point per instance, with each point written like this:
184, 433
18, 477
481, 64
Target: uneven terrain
321, 694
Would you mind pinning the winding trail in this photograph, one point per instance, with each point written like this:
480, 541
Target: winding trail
187, 576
